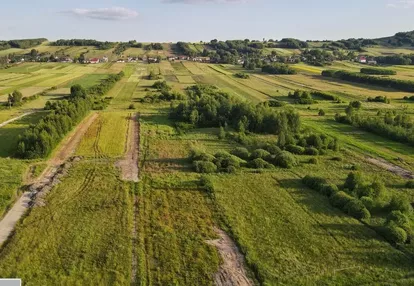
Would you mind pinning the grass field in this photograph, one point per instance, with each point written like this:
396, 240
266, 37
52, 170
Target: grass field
99, 230
106, 136
81, 236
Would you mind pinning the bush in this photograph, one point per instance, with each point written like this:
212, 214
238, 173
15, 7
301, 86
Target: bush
207, 184
313, 161
315, 183
410, 185
273, 149
294, 149
340, 199
321, 112
224, 160
382, 99
329, 189
204, 167
258, 163
285, 160
259, 153
395, 234
353, 181
278, 68
131, 106
399, 203
231, 170
398, 218
242, 75
241, 152
357, 209
311, 151
338, 159
368, 203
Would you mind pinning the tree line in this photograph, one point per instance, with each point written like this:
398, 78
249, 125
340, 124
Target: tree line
21, 44
39, 140
206, 106
403, 85
378, 71
360, 198
392, 125
84, 42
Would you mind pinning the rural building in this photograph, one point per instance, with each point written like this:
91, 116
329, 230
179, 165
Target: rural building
372, 62
362, 60
152, 60
94, 61
105, 59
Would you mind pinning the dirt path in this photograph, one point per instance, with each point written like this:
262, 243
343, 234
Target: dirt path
391, 167
232, 271
65, 150
16, 118
129, 165
8, 223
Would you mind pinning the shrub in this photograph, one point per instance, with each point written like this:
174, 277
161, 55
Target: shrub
285, 160
353, 181
207, 184
398, 218
395, 234
259, 153
340, 199
224, 160
357, 209
294, 149
315, 183
368, 203
241, 152
410, 185
321, 112
242, 75
204, 167
131, 106
313, 161
338, 159
231, 170
258, 163
273, 149
329, 189
399, 203
311, 151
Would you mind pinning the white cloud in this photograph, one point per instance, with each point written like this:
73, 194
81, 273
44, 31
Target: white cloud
113, 13
203, 1
401, 4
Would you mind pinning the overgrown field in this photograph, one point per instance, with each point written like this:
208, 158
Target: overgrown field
82, 235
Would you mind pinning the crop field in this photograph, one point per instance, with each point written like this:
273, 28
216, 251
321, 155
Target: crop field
96, 228
105, 137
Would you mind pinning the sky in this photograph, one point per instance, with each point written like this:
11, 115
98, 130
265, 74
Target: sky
204, 20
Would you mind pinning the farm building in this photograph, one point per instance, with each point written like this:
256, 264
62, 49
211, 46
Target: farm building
362, 59
94, 61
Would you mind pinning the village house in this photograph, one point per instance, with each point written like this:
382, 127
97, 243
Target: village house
94, 61
105, 59
362, 60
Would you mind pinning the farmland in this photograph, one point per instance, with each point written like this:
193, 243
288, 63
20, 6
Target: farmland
94, 227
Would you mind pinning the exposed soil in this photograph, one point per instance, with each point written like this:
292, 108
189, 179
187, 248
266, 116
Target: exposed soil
232, 272
16, 118
129, 165
391, 167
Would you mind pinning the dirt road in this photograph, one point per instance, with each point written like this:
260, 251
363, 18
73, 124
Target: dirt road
232, 271
65, 150
16, 118
391, 167
129, 165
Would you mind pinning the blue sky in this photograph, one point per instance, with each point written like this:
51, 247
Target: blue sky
195, 20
